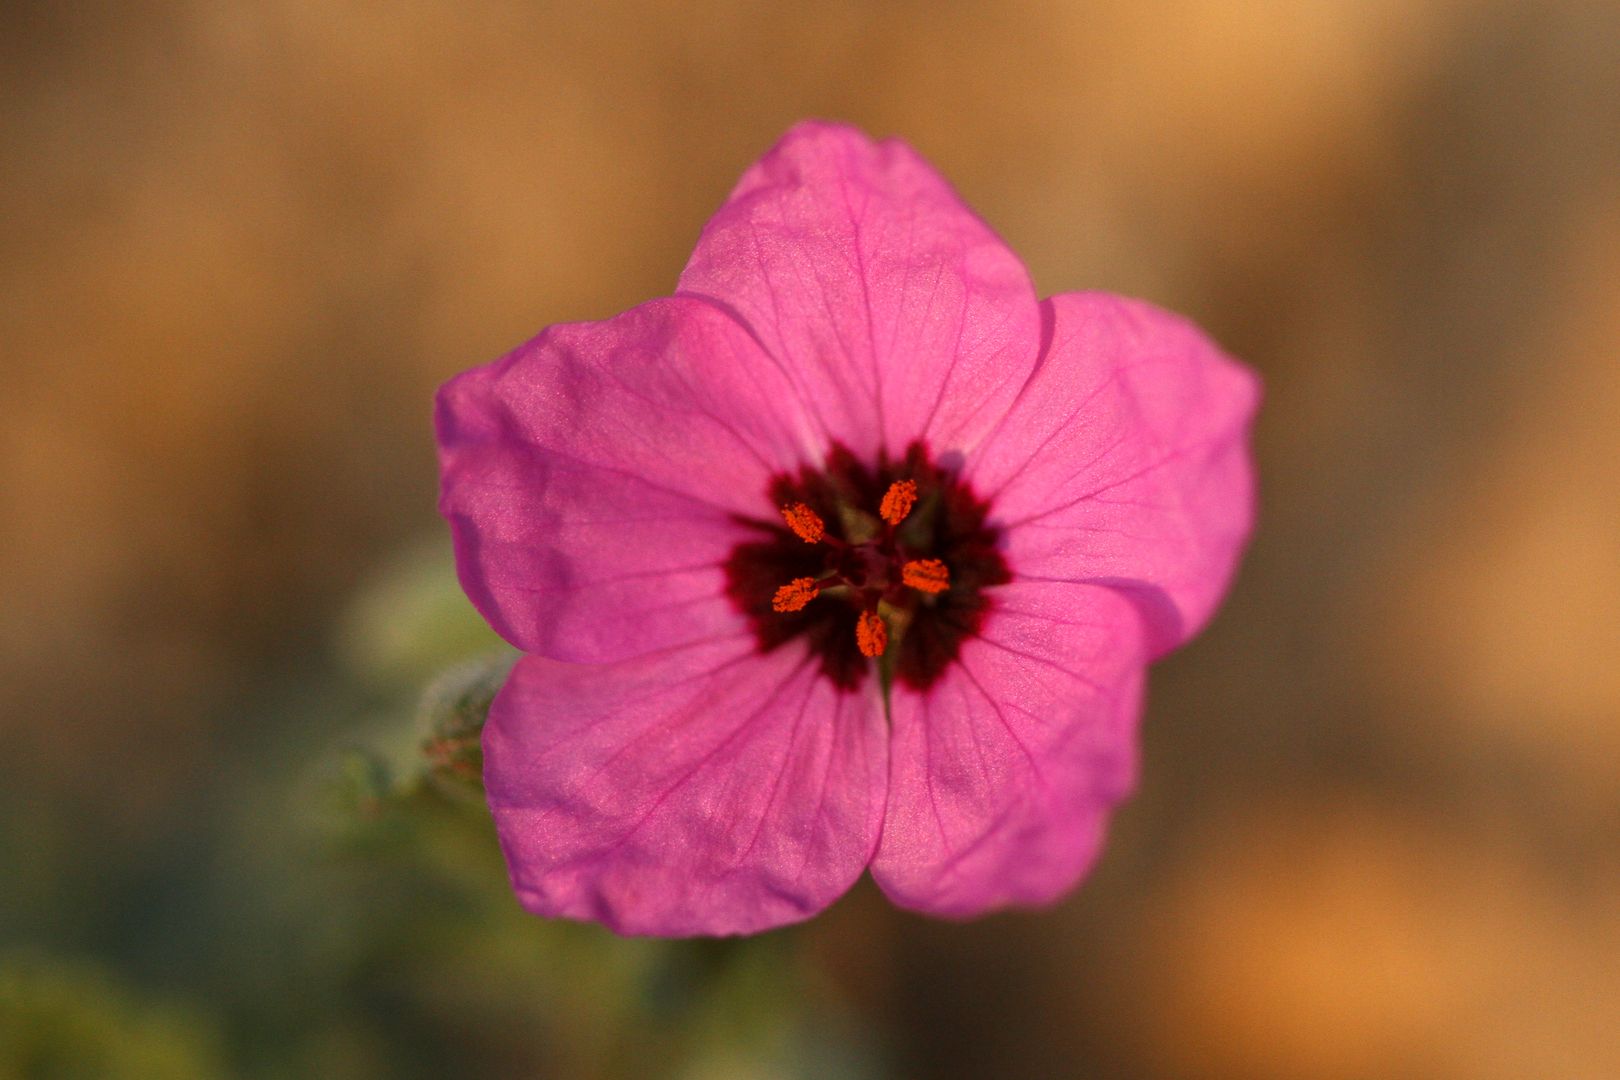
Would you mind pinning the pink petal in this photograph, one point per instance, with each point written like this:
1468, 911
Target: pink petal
894, 310
592, 477
1125, 461
1002, 773
707, 790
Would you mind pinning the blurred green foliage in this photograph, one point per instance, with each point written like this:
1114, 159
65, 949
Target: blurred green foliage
352, 918
73, 1022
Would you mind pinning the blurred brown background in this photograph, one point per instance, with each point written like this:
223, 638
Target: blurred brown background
1379, 829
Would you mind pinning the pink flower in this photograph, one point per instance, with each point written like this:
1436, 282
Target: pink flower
851, 554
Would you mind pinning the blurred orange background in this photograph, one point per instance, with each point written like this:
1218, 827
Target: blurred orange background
1378, 834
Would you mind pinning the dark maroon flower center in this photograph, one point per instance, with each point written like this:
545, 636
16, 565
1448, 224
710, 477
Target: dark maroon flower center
887, 562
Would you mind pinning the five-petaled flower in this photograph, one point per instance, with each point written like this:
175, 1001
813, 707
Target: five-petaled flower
849, 555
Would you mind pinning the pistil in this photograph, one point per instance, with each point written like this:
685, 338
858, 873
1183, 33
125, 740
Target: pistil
871, 578
887, 562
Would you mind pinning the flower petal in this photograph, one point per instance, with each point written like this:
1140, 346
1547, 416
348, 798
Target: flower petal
1125, 462
1003, 772
707, 790
894, 310
592, 478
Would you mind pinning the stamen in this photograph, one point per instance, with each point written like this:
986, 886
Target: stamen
795, 594
805, 522
926, 575
871, 635
898, 501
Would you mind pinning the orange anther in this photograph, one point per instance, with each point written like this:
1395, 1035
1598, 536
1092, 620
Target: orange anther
805, 522
871, 635
898, 501
795, 594
926, 575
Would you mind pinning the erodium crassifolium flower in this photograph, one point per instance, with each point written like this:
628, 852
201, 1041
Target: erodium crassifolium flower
850, 555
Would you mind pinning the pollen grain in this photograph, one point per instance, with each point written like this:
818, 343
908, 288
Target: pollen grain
871, 635
926, 575
898, 501
795, 594
805, 522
